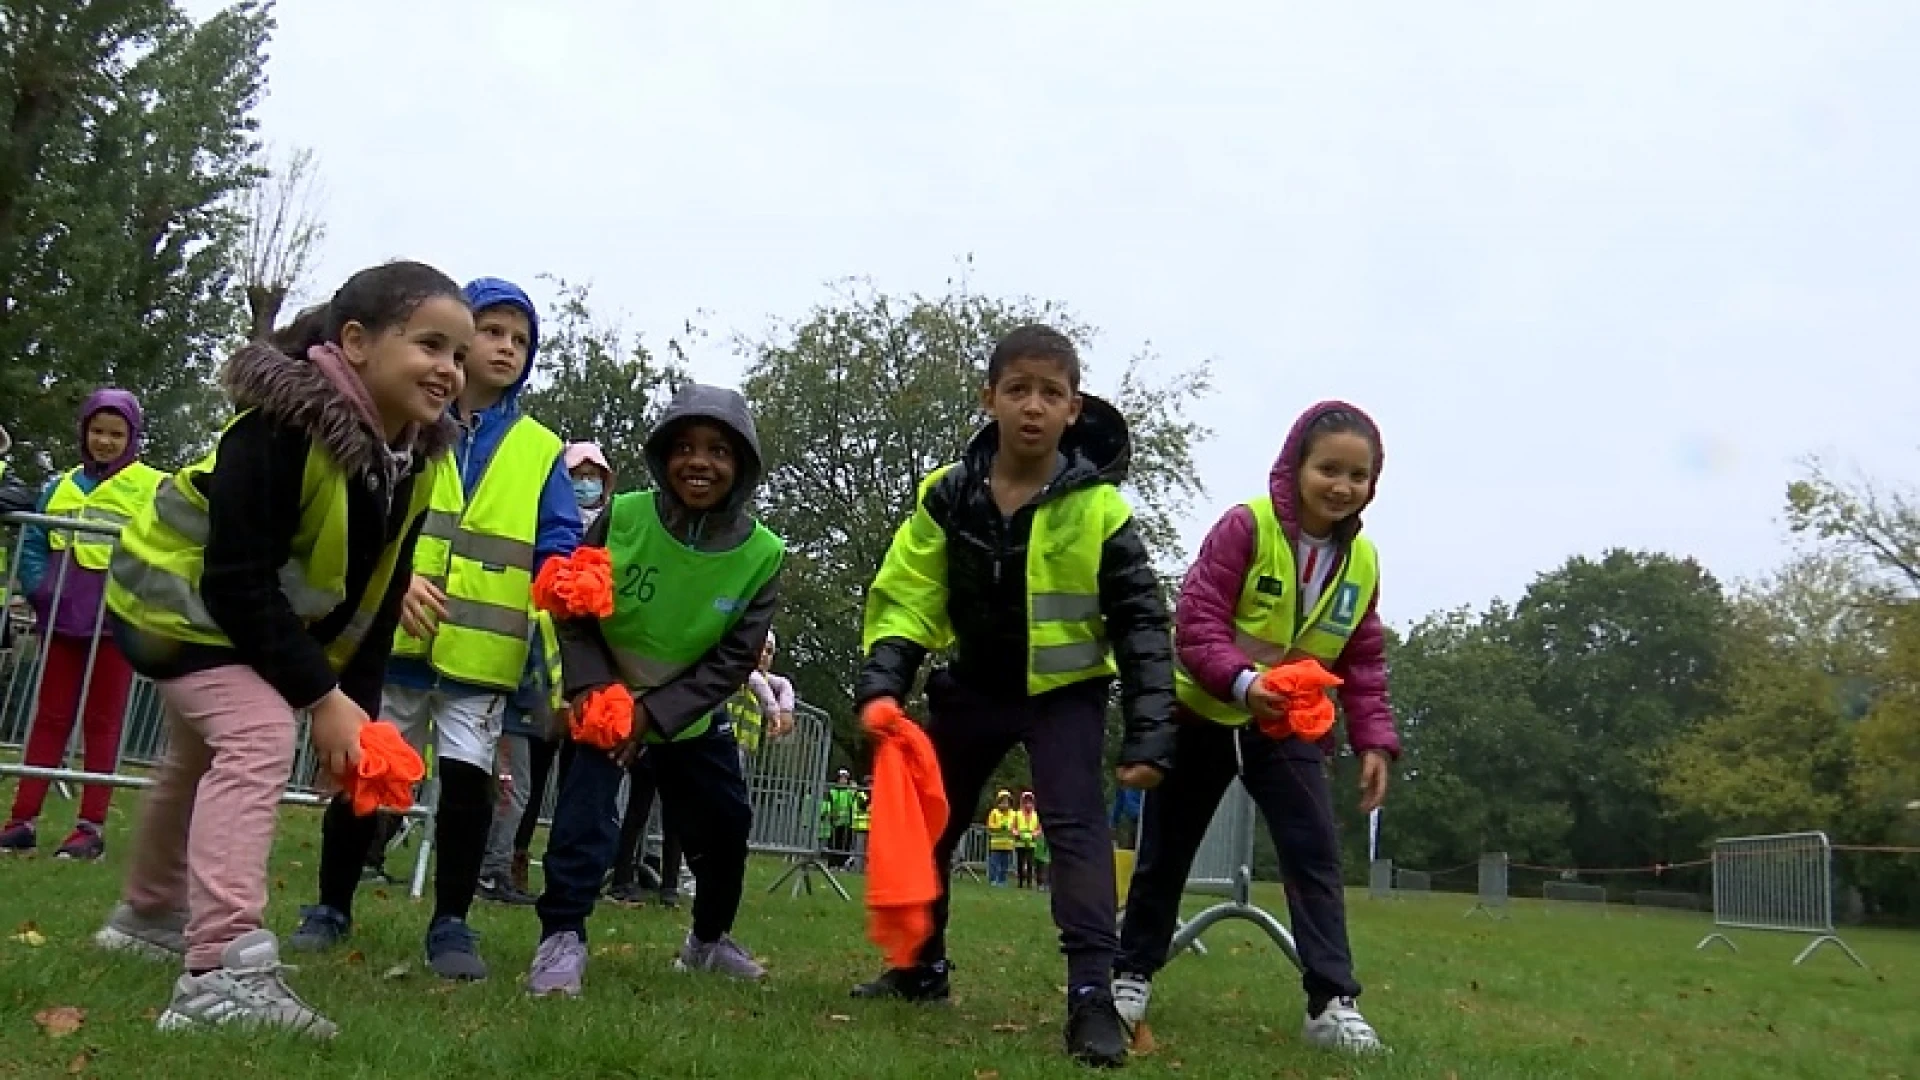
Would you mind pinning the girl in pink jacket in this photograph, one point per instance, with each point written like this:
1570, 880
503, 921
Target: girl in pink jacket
1285, 576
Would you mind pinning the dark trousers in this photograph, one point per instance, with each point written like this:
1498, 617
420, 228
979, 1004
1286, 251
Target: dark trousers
840, 845
705, 801
641, 788
1023, 866
1064, 733
1288, 781
541, 756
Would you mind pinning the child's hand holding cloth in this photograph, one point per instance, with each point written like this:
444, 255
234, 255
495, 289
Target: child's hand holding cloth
908, 813
387, 771
1307, 711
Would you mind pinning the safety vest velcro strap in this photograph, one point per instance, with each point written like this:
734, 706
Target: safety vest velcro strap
176, 513
1065, 607
645, 672
1060, 659
1264, 653
492, 550
488, 618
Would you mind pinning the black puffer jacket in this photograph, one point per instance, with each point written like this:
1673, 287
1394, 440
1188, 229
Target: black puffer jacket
987, 586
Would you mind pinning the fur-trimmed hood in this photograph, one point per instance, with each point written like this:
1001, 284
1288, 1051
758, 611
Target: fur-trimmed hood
295, 392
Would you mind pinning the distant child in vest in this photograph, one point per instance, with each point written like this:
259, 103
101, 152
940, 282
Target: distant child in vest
1026, 827
465, 629
1023, 560
268, 578
592, 481
1284, 576
64, 573
1000, 822
1042, 860
696, 585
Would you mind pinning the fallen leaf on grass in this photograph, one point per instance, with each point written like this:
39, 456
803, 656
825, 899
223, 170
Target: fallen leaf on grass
356, 957
150, 1014
31, 938
1579, 1040
61, 1021
1009, 1029
78, 1065
840, 1018
379, 894
1143, 1043
986, 1074
397, 971
279, 884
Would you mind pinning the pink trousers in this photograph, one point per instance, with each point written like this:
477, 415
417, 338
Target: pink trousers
206, 826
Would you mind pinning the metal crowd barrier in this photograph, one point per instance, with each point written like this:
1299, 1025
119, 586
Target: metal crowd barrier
1412, 881
1224, 866
786, 787
970, 858
1782, 882
1380, 879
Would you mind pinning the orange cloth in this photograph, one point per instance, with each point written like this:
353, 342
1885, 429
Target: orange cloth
605, 718
908, 813
1303, 685
576, 587
387, 772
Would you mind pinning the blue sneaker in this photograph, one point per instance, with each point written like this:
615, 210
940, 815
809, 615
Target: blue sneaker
452, 952
321, 928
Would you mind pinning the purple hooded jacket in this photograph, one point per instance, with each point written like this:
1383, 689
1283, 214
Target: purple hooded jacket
1203, 621
80, 590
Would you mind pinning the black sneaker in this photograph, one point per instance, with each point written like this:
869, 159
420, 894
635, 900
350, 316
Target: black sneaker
669, 899
1094, 1034
499, 890
924, 984
626, 894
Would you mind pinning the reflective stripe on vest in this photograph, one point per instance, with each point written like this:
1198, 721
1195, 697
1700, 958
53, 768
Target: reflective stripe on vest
999, 830
673, 603
1066, 631
1025, 824
114, 501
1268, 624
480, 552
154, 576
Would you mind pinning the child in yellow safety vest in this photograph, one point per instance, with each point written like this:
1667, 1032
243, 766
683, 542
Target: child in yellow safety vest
1026, 826
862, 822
466, 629
1283, 577
64, 574
264, 580
1000, 842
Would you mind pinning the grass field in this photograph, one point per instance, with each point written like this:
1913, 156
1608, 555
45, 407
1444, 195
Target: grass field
1565, 994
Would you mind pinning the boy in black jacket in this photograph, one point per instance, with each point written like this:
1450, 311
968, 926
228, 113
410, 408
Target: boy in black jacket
1022, 558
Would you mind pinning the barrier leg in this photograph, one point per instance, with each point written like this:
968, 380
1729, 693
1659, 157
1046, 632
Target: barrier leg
1722, 939
801, 874
1240, 907
1824, 939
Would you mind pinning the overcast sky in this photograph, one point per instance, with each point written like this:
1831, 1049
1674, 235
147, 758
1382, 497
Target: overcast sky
1604, 272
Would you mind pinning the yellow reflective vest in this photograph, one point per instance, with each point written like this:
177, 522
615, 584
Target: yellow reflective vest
153, 579
479, 551
1268, 623
114, 501
1000, 829
1026, 824
1066, 632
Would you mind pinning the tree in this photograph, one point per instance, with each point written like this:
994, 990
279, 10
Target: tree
283, 234
129, 138
860, 400
1863, 519
588, 384
1624, 655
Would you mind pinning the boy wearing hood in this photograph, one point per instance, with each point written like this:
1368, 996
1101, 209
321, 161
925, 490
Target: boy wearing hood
466, 627
695, 588
64, 574
1022, 560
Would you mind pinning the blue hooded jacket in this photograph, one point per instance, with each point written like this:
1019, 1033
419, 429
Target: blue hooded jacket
558, 528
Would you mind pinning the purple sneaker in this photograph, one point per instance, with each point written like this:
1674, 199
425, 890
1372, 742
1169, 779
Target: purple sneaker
723, 957
558, 966
84, 843
19, 838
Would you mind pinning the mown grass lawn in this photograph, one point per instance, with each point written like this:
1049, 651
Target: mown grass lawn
1566, 993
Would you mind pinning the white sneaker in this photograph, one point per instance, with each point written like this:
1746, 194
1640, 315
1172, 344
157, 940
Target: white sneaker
1131, 993
246, 990
1340, 1027
155, 937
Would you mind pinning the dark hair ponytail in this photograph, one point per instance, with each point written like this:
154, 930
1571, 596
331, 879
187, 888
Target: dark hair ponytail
378, 298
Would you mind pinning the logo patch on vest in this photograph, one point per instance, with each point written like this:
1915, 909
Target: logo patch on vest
1345, 599
727, 605
1268, 585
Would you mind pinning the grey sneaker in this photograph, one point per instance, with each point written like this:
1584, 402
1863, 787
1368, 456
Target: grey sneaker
723, 957
559, 964
155, 937
320, 929
452, 950
245, 990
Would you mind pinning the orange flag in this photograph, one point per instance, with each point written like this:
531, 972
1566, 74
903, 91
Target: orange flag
604, 718
1303, 685
576, 587
387, 771
908, 814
